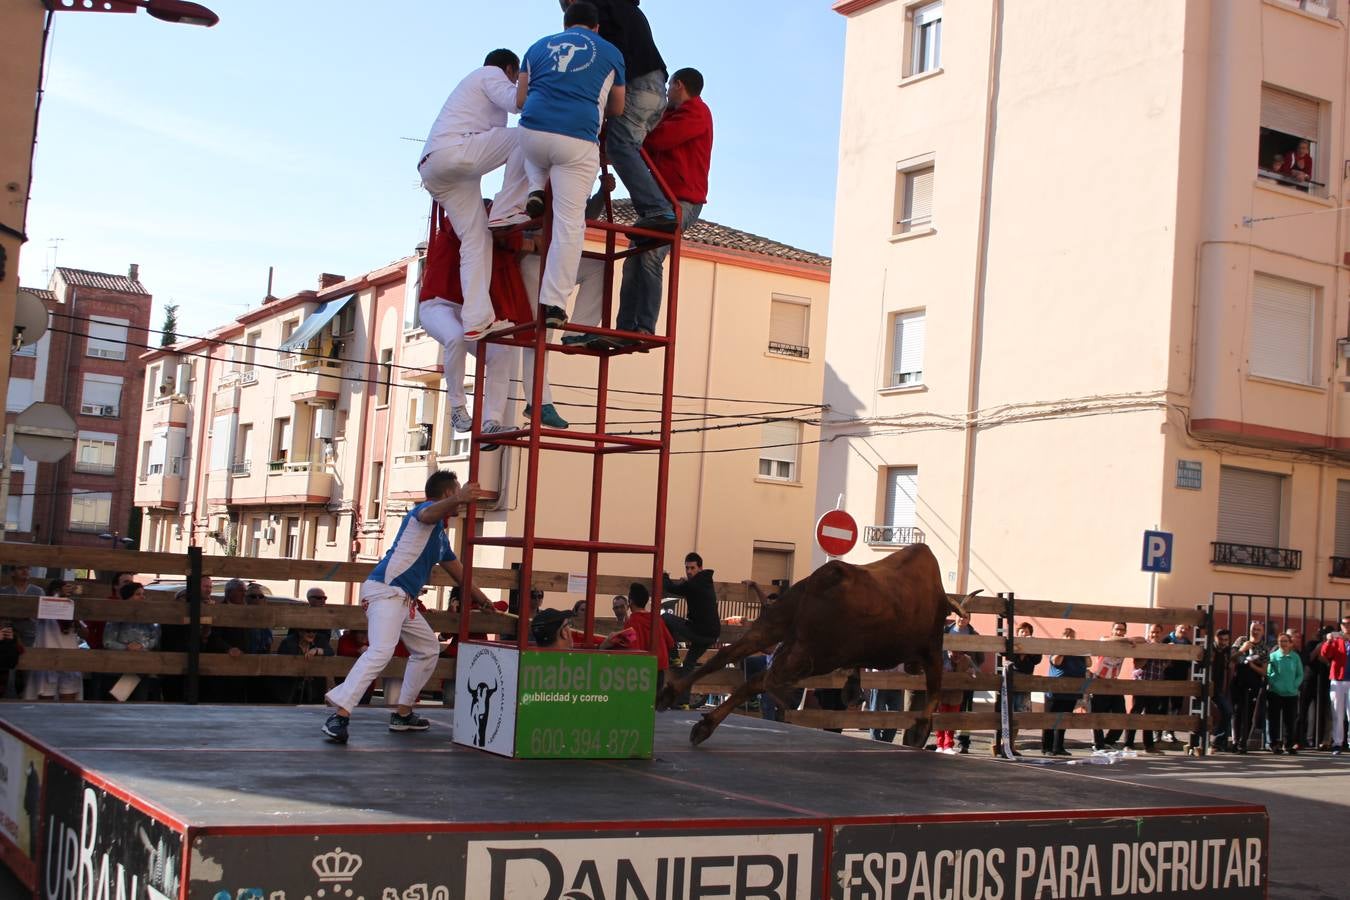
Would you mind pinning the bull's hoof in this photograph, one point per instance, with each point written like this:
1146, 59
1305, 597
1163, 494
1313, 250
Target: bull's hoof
702, 730
666, 698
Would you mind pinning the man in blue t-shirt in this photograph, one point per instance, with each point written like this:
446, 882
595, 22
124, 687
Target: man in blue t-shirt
568, 83
389, 597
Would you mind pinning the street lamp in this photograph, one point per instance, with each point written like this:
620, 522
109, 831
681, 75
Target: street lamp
117, 539
181, 12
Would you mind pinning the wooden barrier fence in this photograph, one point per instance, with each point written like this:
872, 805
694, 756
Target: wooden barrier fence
1007, 608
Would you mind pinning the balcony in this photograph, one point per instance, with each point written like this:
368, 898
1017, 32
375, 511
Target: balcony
407, 477
89, 468
303, 481
421, 358
892, 535
314, 378
167, 411
1226, 554
158, 490
780, 349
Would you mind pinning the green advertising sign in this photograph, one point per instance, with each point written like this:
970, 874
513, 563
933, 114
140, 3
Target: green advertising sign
586, 705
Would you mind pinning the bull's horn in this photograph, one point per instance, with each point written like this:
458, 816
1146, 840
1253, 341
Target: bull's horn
960, 605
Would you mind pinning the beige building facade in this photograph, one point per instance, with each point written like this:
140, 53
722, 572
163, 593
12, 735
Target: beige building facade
1090, 280
308, 426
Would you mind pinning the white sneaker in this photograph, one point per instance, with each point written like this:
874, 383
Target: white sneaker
496, 325
518, 218
461, 420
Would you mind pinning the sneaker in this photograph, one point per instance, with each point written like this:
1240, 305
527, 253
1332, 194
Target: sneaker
496, 325
1062, 752
510, 221
1336, 751
573, 340
335, 729
554, 316
411, 722
460, 420
548, 416
950, 751
534, 206
658, 222
491, 427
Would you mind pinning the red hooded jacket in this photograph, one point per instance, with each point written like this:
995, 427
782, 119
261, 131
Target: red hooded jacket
681, 149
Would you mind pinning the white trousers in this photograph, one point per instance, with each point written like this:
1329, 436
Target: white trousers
454, 175
387, 622
1340, 706
570, 165
443, 321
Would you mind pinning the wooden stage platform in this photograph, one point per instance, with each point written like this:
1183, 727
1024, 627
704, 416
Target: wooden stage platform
249, 803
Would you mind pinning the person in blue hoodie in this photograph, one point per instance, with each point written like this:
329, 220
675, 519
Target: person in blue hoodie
1062, 665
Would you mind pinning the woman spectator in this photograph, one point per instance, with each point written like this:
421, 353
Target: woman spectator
1249, 680
1062, 665
1284, 677
55, 634
137, 637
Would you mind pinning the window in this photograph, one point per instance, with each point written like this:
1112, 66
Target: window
243, 451
907, 339
107, 337
345, 323
419, 428
386, 376
101, 395
90, 511
20, 394
330, 530
1342, 550
789, 326
376, 490
13, 512
1189, 474
96, 453
1250, 504
286, 361
147, 464
257, 536
913, 199
778, 451
1288, 146
902, 496
152, 382
925, 43
251, 343
1284, 330
292, 537
281, 441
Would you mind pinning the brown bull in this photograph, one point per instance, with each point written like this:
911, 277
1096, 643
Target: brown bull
841, 616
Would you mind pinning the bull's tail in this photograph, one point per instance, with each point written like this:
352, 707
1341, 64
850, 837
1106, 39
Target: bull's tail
960, 605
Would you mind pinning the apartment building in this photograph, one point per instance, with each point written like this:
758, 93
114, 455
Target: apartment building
1090, 281
307, 427
88, 364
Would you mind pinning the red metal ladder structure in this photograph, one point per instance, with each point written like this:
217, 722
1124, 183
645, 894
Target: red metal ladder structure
534, 438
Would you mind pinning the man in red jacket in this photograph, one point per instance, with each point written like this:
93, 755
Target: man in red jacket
680, 148
1335, 650
636, 633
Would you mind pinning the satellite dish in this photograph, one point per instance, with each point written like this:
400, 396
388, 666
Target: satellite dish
30, 319
45, 432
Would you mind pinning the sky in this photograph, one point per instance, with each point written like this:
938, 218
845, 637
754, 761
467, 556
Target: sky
280, 136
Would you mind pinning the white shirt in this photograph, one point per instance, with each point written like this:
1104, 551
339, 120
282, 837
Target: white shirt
479, 103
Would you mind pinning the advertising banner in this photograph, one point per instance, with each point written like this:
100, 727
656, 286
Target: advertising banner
743, 864
586, 705
98, 846
1166, 856
485, 697
21, 774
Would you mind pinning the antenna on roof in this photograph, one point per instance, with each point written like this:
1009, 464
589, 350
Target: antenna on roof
52, 250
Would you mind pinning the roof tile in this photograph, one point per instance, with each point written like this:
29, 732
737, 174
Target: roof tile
102, 280
711, 234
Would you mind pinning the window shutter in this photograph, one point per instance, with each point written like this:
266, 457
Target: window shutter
784, 434
788, 322
1249, 507
918, 198
1343, 518
1282, 329
108, 337
902, 494
768, 566
1288, 113
907, 349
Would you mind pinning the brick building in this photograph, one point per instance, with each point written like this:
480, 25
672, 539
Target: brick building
89, 363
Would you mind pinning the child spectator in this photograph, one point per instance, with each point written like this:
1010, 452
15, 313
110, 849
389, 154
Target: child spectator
1284, 676
53, 634
950, 699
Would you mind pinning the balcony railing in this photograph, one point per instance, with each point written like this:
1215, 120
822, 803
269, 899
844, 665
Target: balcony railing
892, 535
89, 468
276, 465
1226, 554
1340, 567
242, 468
796, 350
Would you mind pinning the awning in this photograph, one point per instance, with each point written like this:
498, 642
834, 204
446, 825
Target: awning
316, 323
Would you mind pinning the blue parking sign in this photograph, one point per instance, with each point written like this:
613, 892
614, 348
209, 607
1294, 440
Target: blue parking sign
1157, 551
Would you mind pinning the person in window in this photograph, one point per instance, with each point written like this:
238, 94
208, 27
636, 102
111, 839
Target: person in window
1299, 165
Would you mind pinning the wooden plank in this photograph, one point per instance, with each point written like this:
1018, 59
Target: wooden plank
729, 679
987, 721
1048, 646
1086, 611
246, 665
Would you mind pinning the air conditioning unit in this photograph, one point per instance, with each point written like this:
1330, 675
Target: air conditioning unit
270, 534
325, 421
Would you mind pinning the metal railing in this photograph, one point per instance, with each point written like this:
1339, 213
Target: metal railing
244, 467
89, 468
893, 535
1228, 554
789, 349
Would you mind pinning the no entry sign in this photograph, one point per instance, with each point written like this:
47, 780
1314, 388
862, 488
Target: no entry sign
836, 532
